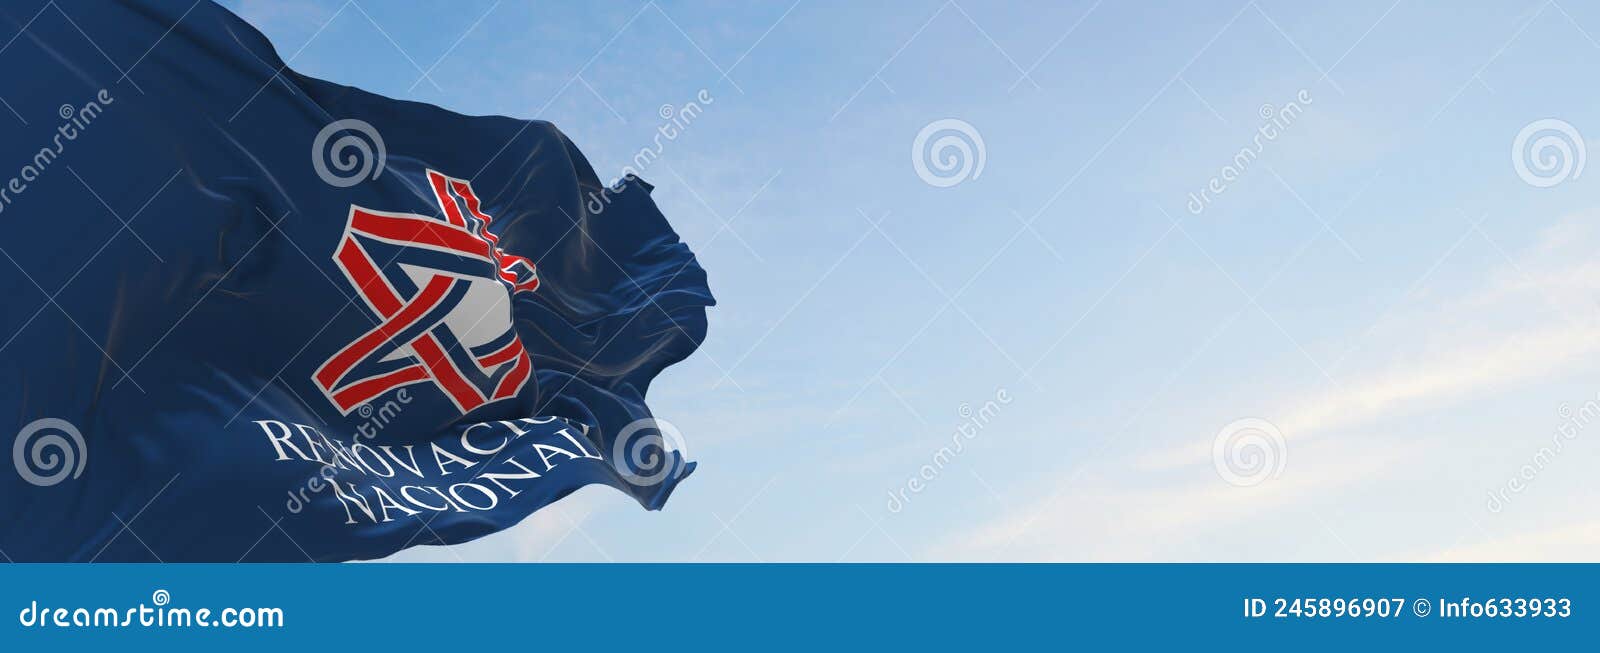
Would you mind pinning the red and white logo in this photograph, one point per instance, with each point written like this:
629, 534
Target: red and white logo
441, 304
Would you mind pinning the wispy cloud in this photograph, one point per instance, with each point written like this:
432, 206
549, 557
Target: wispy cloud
1531, 316
1525, 320
1576, 542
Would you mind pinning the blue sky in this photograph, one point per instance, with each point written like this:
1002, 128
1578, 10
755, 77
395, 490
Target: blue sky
1378, 283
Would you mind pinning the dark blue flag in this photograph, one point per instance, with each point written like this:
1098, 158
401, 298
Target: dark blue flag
252, 315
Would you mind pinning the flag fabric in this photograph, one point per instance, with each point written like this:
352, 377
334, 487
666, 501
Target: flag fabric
252, 315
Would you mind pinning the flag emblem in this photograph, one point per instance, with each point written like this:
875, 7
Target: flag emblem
439, 290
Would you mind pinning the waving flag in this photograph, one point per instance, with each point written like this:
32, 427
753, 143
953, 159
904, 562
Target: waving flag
252, 315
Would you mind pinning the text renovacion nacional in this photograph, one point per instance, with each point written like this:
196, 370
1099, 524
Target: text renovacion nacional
432, 464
